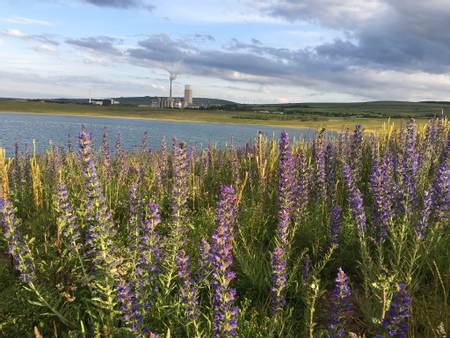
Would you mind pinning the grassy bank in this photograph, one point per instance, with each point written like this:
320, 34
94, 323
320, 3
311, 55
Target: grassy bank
325, 118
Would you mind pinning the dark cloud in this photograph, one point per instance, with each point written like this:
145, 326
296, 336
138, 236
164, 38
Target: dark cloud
407, 35
100, 44
204, 38
387, 49
121, 3
161, 48
314, 68
238, 60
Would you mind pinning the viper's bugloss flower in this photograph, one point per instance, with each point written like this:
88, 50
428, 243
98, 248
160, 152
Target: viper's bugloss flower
330, 172
67, 219
131, 311
357, 151
320, 165
410, 164
336, 224
205, 261
279, 278
340, 306
180, 184
188, 291
355, 200
441, 188
106, 151
149, 248
17, 245
379, 181
135, 203
395, 322
285, 187
100, 228
225, 312
301, 186
422, 224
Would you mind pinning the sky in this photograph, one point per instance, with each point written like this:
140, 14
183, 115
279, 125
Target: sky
248, 51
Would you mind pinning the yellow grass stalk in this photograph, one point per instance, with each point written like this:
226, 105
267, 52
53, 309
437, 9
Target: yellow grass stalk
36, 178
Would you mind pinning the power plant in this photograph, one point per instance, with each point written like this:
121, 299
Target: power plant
172, 102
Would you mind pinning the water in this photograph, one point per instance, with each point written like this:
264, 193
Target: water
55, 128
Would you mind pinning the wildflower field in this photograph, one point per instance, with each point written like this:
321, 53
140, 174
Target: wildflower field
339, 237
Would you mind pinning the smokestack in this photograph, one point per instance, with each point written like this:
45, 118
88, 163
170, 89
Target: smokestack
172, 77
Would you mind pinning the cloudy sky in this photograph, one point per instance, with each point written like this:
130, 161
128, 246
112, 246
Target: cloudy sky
242, 50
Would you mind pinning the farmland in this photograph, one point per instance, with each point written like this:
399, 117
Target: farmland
313, 115
336, 237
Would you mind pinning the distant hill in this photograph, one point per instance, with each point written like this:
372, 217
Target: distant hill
145, 100
398, 109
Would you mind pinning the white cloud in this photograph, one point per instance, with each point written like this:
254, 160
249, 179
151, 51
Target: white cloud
20, 20
16, 33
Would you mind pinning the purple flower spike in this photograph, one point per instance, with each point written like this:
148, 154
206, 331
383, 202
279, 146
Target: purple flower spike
225, 313
340, 307
129, 305
149, 248
285, 187
380, 184
395, 322
336, 224
422, 224
410, 166
17, 246
441, 189
188, 290
67, 219
356, 200
180, 184
100, 228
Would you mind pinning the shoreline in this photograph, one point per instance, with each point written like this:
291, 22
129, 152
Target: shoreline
372, 125
94, 115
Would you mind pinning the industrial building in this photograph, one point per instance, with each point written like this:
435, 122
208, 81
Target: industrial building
173, 102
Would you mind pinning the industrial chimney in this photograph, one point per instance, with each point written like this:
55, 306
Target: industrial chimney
171, 79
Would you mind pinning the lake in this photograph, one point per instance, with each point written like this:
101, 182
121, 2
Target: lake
43, 128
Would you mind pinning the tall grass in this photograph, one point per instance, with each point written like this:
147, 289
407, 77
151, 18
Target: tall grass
338, 237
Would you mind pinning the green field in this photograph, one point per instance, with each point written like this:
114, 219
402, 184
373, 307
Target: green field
332, 116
